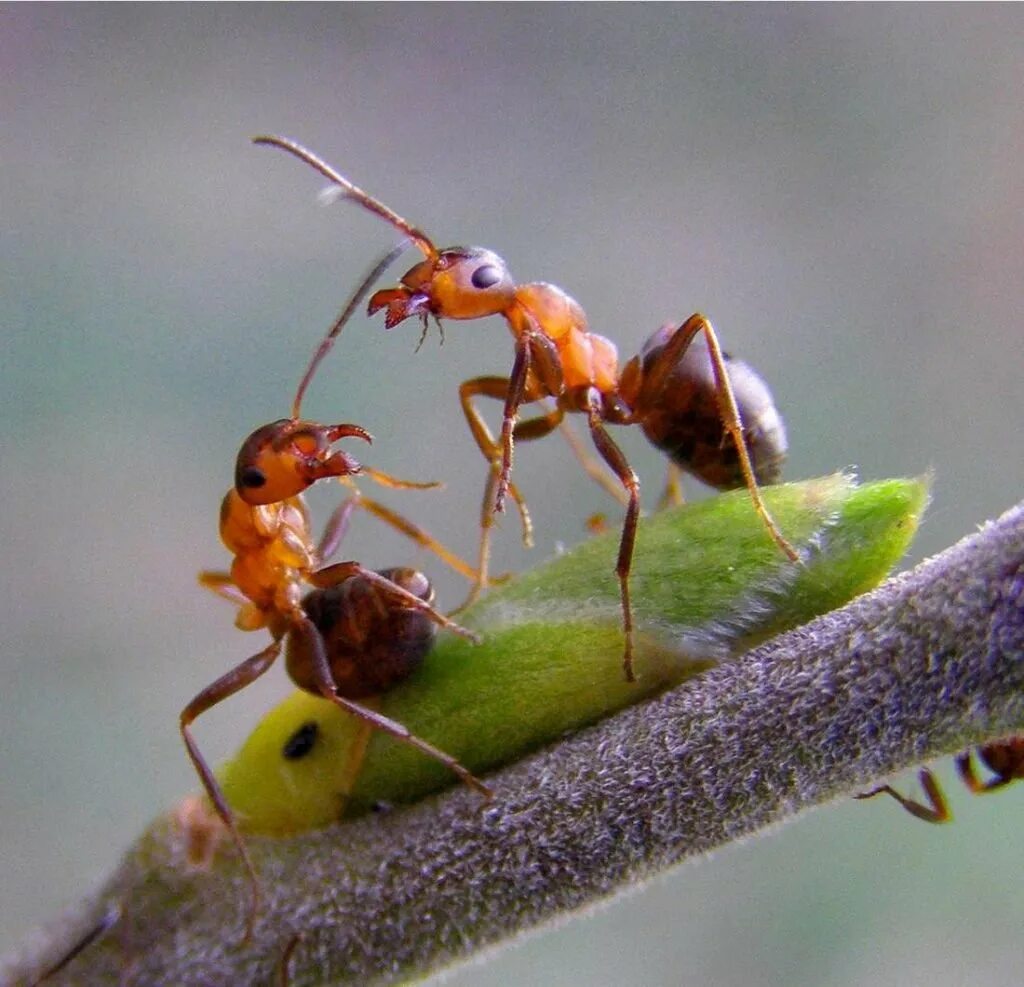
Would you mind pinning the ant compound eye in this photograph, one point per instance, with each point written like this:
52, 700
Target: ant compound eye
300, 743
486, 276
252, 477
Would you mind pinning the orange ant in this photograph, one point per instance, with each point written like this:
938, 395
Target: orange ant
556, 356
1004, 758
332, 649
265, 524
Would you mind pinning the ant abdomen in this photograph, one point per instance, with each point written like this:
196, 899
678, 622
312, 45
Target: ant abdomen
684, 419
372, 641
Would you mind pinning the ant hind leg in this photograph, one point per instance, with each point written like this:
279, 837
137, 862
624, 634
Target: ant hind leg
327, 687
936, 812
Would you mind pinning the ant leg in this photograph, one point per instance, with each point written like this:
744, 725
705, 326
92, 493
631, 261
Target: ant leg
221, 584
673, 351
533, 428
936, 812
672, 495
513, 399
337, 526
227, 685
614, 457
415, 533
327, 687
591, 466
394, 483
249, 616
356, 756
284, 965
535, 352
483, 560
965, 768
337, 573
492, 387
109, 918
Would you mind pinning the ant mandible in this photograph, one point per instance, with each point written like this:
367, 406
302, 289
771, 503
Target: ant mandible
264, 522
1004, 758
556, 356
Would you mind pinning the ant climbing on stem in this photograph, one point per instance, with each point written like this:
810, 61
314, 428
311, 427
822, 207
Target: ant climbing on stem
358, 632
264, 522
557, 357
1004, 758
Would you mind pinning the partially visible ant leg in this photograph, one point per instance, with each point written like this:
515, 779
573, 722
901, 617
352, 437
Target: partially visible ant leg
105, 923
323, 679
663, 366
672, 495
937, 811
1004, 758
592, 466
226, 686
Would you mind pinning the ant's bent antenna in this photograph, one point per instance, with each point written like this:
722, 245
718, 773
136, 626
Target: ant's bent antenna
372, 276
351, 191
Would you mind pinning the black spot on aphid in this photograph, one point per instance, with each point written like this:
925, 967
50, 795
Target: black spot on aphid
486, 276
300, 743
251, 476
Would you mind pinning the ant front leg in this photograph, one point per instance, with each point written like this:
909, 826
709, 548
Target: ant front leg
936, 812
497, 388
537, 360
337, 526
227, 685
514, 394
324, 682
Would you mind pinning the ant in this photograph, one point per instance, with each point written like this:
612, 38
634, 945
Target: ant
1004, 758
331, 633
264, 522
557, 357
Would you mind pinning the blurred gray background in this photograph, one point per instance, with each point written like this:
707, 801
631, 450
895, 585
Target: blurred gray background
839, 189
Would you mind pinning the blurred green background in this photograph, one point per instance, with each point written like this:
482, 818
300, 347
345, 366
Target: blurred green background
839, 189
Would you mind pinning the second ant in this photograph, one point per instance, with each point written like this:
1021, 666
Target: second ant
558, 357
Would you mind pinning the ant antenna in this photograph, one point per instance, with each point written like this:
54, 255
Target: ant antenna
372, 276
353, 192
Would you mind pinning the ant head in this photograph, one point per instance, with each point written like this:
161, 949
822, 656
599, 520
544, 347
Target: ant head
282, 459
454, 283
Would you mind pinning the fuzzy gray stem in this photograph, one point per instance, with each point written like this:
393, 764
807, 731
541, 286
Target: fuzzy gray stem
930, 663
